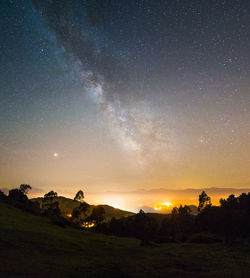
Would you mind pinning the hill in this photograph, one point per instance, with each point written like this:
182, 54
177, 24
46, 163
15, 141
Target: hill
31, 246
67, 205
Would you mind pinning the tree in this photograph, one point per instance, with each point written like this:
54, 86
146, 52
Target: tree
50, 196
3, 196
79, 196
180, 224
184, 211
145, 227
24, 188
17, 195
175, 211
204, 201
79, 214
53, 209
50, 206
84, 207
97, 215
230, 203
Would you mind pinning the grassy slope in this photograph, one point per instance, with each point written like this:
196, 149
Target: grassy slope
67, 205
30, 246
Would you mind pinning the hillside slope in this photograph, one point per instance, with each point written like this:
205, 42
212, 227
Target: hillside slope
67, 205
31, 246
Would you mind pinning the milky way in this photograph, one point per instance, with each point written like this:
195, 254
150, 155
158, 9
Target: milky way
127, 93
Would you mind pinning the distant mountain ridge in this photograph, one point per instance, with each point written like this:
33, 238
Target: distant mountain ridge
208, 190
213, 190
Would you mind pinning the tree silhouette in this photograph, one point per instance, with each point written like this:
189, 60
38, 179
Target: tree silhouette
24, 188
50, 206
80, 214
204, 201
230, 203
50, 196
145, 227
184, 211
175, 211
180, 222
97, 215
79, 196
17, 195
3, 196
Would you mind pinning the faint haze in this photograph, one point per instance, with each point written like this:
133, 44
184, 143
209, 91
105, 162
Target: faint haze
147, 200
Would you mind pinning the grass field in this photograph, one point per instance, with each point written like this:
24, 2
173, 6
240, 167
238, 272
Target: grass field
31, 246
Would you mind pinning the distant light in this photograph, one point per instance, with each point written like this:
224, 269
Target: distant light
157, 208
167, 204
55, 154
163, 206
88, 224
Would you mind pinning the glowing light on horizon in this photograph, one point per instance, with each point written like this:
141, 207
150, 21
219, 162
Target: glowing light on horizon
167, 204
162, 206
157, 208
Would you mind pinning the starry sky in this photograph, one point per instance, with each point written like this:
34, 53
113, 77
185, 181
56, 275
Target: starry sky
124, 95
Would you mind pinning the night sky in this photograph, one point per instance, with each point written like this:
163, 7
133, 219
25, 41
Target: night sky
123, 95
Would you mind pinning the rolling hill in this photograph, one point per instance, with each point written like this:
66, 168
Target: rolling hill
67, 205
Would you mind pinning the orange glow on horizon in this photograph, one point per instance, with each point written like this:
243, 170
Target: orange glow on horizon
163, 206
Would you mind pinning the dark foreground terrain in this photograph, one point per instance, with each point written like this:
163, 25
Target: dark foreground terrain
32, 246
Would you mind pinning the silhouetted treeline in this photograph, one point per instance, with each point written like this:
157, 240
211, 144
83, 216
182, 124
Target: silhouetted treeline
18, 198
213, 223
82, 216
145, 226
229, 220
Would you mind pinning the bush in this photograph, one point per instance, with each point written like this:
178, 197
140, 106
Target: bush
3, 197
